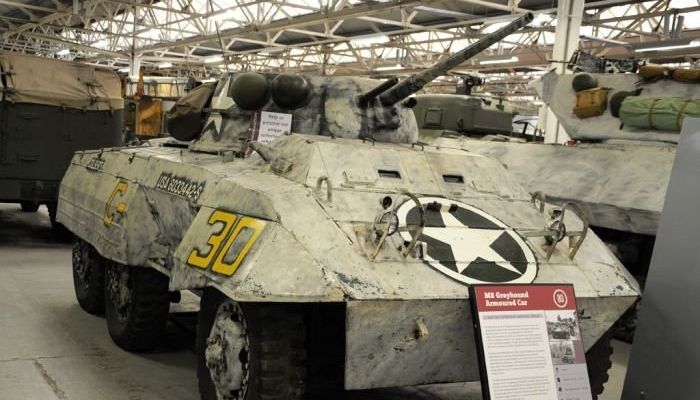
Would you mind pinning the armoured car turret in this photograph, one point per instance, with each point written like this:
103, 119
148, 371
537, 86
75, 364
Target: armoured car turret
330, 247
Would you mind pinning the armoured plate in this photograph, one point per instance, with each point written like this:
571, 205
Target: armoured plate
621, 186
398, 343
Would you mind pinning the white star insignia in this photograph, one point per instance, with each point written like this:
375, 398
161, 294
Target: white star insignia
469, 244
220, 102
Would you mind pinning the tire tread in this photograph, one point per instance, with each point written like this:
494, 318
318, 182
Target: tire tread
90, 299
598, 359
148, 313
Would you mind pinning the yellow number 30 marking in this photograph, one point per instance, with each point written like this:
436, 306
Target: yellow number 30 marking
228, 246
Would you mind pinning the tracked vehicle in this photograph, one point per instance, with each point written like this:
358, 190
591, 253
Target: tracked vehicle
338, 253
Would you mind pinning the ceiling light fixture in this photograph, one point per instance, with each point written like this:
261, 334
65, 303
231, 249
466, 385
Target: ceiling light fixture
498, 60
213, 59
368, 40
667, 45
165, 65
604, 40
271, 50
391, 68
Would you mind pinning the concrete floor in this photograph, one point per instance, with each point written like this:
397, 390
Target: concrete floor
51, 350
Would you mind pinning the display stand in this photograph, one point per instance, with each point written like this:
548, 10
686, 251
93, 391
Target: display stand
529, 342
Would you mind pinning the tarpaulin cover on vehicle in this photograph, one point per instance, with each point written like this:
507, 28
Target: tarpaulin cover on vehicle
38, 80
186, 117
660, 114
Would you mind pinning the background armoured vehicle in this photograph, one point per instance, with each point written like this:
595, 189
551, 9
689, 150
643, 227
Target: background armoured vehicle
341, 254
50, 109
460, 114
617, 174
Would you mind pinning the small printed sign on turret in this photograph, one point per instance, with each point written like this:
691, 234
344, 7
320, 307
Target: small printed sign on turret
272, 125
266, 126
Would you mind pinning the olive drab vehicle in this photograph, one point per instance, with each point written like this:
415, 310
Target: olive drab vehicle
331, 250
50, 109
439, 114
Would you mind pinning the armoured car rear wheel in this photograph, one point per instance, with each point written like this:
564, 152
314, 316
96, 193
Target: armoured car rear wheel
88, 277
249, 351
137, 302
29, 206
599, 363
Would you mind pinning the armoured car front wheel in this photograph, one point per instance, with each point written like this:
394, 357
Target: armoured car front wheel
599, 363
29, 206
88, 277
249, 351
137, 302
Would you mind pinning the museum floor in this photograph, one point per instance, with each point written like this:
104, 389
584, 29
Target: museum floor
51, 350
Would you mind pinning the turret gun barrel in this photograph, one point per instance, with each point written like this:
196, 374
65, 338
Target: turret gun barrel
364, 99
416, 82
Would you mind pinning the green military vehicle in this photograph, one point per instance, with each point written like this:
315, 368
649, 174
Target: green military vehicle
49, 110
461, 114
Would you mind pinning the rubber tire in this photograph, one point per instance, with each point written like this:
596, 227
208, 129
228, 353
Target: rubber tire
626, 325
29, 206
59, 230
277, 337
90, 294
148, 310
599, 363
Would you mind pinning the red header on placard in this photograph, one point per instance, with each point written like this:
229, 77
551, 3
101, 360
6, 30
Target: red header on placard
524, 298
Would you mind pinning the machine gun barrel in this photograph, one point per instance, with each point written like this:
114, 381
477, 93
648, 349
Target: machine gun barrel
416, 82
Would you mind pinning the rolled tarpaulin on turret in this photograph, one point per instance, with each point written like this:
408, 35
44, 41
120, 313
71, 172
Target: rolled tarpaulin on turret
663, 114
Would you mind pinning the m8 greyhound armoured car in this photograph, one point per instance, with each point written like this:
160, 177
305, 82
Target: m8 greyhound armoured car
330, 249
50, 109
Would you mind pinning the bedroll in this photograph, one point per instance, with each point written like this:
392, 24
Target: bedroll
659, 114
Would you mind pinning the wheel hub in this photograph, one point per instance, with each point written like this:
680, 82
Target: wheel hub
228, 352
119, 291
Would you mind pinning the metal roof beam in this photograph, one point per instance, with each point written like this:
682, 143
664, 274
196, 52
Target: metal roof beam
28, 6
293, 22
77, 46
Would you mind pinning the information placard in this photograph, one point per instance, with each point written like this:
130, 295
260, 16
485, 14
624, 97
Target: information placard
267, 126
529, 342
